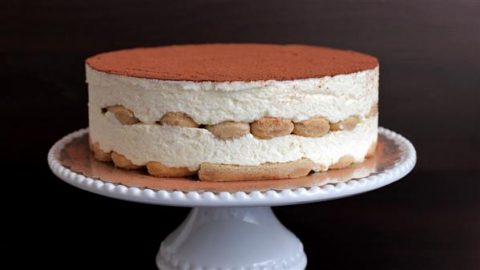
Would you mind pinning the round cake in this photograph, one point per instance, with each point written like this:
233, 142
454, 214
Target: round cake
233, 112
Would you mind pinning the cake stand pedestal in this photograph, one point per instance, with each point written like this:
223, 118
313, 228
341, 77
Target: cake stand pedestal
231, 238
231, 229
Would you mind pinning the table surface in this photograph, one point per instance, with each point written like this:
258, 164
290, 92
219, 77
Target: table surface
429, 88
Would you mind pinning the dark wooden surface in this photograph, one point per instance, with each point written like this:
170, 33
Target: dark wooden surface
430, 83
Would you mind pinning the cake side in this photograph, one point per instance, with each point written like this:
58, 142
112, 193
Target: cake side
147, 139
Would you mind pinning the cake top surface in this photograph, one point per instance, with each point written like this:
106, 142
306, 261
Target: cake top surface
231, 62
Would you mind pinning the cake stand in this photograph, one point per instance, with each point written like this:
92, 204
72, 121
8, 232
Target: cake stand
231, 225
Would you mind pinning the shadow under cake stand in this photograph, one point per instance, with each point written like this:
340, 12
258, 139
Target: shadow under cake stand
231, 225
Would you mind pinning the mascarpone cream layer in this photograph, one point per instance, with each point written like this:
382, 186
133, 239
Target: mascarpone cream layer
333, 97
189, 147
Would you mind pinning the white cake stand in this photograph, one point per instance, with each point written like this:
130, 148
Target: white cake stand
236, 230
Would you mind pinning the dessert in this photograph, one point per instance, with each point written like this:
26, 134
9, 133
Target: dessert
232, 112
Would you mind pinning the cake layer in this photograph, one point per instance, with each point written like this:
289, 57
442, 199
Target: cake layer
190, 147
232, 62
334, 98
263, 128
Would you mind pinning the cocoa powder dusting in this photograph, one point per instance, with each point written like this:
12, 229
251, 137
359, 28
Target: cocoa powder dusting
231, 62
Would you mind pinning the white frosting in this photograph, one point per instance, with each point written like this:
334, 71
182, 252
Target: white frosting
189, 147
335, 97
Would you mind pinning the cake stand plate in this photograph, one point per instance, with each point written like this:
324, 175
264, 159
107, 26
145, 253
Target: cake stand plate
231, 225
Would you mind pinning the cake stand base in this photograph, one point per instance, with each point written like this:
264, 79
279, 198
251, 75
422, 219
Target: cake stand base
231, 238
230, 228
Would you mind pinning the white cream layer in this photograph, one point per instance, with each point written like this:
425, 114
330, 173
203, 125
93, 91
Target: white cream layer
335, 97
189, 147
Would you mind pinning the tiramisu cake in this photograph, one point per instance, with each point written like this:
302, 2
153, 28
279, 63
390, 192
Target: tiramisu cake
232, 112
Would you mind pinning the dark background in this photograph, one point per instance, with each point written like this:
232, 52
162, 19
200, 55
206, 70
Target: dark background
430, 83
